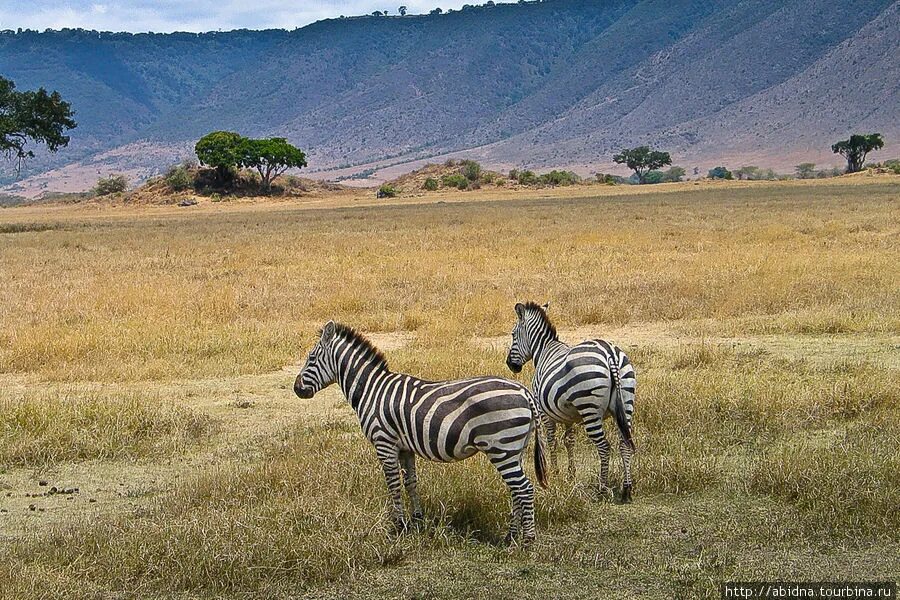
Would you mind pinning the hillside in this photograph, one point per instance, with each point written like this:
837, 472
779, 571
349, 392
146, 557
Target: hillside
561, 83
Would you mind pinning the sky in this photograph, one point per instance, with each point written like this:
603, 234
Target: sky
195, 15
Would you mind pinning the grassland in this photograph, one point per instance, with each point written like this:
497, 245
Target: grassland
764, 319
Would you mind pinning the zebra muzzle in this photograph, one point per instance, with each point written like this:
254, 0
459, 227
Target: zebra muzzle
303, 392
515, 368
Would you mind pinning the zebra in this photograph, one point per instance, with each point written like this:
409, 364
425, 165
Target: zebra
575, 384
405, 417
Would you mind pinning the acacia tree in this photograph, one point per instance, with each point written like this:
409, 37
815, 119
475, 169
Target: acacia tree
402, 11
642, 160
856, 148
34, 116
270, 157
222, 150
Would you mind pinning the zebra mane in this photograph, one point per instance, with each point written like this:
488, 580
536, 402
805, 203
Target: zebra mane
537, 308
358, 340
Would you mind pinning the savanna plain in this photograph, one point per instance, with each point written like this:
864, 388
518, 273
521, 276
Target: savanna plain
147, 356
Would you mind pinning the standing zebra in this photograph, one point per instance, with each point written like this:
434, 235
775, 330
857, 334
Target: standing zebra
403, 417
575, 384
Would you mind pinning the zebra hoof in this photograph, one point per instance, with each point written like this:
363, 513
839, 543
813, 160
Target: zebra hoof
418, 516
510, 539
626, 494
605, 494
399, 526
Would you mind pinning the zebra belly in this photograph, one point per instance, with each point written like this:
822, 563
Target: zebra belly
563, 412
463, 453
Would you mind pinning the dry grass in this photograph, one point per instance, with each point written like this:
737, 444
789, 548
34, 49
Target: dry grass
235, 292
48, 427
752, 464
722, 445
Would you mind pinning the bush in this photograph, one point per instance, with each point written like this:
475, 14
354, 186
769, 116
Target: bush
179, 178
527, 178
654, 177
893, 165
720, 173
673, 175
608, 179
559, 178
113, 184
431, 184
456, 180
471, 170
387, 191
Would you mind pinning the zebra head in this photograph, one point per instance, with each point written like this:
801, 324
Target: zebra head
530, 319
319, 370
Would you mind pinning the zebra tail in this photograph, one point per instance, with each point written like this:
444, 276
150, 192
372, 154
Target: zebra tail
540, 456
619, 406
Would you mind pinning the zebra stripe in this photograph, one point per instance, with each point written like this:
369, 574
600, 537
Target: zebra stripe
446, 421
577, 384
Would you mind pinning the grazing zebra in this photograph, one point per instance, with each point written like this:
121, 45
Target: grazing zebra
405, 417
575, 384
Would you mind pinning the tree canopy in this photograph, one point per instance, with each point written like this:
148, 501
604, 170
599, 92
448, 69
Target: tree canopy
34, 116
642, 160
222, 150
720, 173
856, 148
227, 151
270, 157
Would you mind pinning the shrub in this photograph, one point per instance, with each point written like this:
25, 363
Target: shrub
471, 170
559, 178
673, 174
893, 165
113, 184
179, 178
431, 184
720, 173
654, 177
456, 180
527, 178
387, 191
608, 179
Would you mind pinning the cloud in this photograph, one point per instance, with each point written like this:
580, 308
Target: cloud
202, 15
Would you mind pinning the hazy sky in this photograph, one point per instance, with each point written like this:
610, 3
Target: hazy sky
191, 15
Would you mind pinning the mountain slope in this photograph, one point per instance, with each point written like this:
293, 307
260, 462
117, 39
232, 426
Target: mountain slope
554, 83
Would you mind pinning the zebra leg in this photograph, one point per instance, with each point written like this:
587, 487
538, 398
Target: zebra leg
550, 428
569, 441
408, 461
522, 492
515, 521
626, 452
388, 455
594, 430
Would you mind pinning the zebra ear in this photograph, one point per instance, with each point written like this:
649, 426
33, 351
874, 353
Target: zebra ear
328, 332
546, 306
520, 310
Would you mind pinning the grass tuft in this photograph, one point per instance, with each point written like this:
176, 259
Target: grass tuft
45, 428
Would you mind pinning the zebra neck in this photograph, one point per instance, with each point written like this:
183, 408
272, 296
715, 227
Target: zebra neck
358, 375
545, 348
